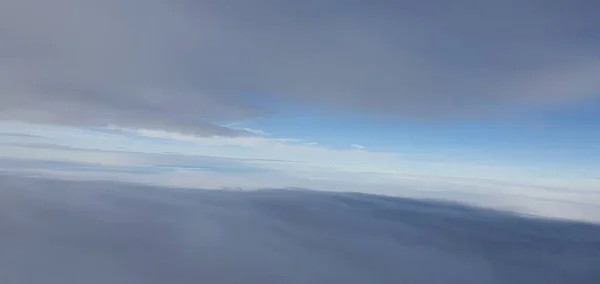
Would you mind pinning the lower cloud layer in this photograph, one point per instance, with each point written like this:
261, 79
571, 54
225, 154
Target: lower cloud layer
100, 232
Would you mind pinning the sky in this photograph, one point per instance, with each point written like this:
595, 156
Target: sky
488, 102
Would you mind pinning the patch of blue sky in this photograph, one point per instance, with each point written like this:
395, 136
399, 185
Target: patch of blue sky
563, 139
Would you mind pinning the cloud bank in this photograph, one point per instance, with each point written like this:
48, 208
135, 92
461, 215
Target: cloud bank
175, 160
100, 232
194, 66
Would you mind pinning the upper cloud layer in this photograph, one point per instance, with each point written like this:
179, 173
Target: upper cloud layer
191, 66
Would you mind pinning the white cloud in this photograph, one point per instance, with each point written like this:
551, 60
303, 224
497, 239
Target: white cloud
357, 146
255, 131
306, 155
166, 158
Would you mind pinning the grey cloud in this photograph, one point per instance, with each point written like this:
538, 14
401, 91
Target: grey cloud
11, 166
190, 66
20, 135
38, 145
141, 162
103, 232
162, 158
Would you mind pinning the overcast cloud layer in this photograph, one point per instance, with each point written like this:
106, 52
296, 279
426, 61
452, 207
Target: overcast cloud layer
191, 66
99, 232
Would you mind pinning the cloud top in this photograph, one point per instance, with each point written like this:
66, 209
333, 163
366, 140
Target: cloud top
100, 232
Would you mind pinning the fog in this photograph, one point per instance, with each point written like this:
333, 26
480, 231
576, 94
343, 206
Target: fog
54, 231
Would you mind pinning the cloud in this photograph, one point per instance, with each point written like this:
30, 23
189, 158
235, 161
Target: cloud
221, 166
194, 66
107, 232
19, 136
288, 157
357, 146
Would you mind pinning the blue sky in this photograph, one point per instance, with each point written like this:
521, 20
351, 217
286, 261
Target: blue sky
564, 140
413, 98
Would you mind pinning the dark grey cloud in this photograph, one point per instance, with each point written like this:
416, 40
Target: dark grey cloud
191, 66
103, 232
